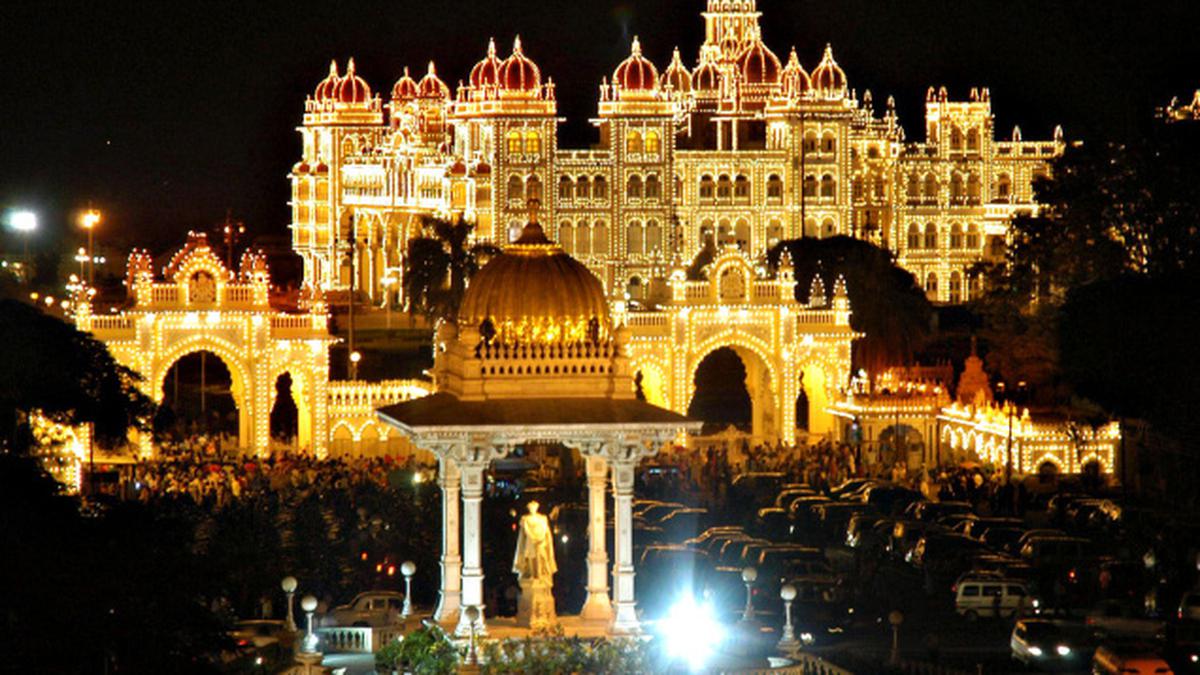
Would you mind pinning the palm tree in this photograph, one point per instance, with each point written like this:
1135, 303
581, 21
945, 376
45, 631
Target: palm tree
440, 262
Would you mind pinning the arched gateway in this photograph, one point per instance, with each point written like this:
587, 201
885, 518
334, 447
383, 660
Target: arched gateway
786, 347
201, 306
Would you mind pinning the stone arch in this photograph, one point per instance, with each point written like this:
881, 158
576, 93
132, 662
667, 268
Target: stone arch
762, 377
654, 382
242, 385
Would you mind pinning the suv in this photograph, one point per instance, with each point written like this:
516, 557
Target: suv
990, 597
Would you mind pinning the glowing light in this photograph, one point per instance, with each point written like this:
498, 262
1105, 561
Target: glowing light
691, 632
1063, 650
23, 221
89, 219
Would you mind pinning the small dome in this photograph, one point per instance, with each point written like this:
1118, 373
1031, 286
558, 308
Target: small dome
759, 65
483, 169
300, 168
828, 77
533, 291
706, 77
636, 73
352, 88
676, 75
431, 86
458, 168
327, 88
405, 88
321, 168
518, 72
486, 73
794, 80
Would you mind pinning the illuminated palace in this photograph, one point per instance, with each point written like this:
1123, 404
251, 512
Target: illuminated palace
742, 147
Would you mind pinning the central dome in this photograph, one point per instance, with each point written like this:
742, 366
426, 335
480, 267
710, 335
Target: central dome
534, 292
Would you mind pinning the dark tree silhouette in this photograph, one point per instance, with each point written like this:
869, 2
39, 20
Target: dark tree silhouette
439, 265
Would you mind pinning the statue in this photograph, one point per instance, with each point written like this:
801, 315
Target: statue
535, 567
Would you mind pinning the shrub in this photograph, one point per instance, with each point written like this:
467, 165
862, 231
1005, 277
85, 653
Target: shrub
425, 651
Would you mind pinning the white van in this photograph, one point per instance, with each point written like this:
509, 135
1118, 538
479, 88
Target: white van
975, 598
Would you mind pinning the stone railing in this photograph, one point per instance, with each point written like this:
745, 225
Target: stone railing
366, 396
356, 639
803, 664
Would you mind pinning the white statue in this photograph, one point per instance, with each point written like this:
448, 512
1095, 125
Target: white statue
535, 567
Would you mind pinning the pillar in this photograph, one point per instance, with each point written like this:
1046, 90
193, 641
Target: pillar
625, 619
451, 591
597, 607
472, 569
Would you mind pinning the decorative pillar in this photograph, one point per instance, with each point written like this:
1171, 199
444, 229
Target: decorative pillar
448, 606
625, 619
597, 607
472, 570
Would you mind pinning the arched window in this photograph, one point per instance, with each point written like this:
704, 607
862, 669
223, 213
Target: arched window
878, 187
774, 187
956, 236
654, 238
513, 139
706, 187
566, 236
600, 188
828, 229
810, 228
583, 239
741, 235
828, 186
931, 187
633, 142
707, 234
677, 194
955, 287
973, 140
973, 237
565, 188
856, 189
724, 187
303, 191
600, 238
972, 286
725, 232
516, 188
322, 190
533, 188
653, 145
956, 188
956, 138
914, 236
583, 188
810, 142
533, 143
634, 238
741, 187
633, 188
973, 188
931, 236
653, 187
931, 286
774, 233
828, 142
810, 186
1003, 188
912, 188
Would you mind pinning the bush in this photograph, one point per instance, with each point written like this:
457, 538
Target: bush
552, 653
425, 651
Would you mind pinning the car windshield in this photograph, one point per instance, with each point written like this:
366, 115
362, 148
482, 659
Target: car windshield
1041, 631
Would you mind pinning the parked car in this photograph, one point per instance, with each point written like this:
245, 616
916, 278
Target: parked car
1189, 606
787, 494
656, 512
1047, 645
1056, 551
1129, 660
858, 526
984, 597
373, 608
756, 489
682, 524
1001, 538
849, 486
890, 499
930, 511
1115, 619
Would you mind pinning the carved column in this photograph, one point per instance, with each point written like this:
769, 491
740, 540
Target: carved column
624, 464
597, 607
448, 606
472, 571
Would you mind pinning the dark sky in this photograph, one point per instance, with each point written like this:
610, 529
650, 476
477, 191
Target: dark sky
166, 113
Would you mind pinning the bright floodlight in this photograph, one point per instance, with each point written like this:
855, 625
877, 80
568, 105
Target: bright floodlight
23, 221
691, 632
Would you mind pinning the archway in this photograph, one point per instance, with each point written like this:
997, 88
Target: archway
720, 396
815, 399
204, 396
651, 385
898, 442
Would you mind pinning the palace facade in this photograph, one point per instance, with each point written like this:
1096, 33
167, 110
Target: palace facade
742, 147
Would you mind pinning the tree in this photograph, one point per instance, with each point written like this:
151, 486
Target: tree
886, 302
49, 365
439, 264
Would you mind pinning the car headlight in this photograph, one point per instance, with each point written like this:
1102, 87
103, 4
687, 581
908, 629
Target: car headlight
1063, 650
1036, 651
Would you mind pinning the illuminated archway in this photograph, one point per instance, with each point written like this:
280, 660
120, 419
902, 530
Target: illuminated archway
199, 399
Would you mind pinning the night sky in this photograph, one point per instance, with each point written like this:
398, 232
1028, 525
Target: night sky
165, 114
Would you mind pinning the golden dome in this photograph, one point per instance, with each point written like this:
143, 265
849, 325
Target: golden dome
534, 292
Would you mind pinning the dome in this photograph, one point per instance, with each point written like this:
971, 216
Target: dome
352, 88
431, 86
533, 291
706, 77
300, 168
676, 75
636, 73
486, 73
327, 88
827, 77
759, 65
458, 168
405, 88
518, 73
795, 81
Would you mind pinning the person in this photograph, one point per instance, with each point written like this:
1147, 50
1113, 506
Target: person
534, 560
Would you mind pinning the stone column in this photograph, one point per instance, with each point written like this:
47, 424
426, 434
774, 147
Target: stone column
597, 607
448, 600
625, 619
472, 571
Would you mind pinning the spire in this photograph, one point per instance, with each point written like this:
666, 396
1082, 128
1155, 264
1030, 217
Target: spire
491, 50
350, 67
816, 291
839, 289
517, 45
432, 69
636, 48
333, 71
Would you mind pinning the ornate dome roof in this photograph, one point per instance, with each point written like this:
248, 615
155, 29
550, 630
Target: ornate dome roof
327, 88
827, 77
535, 292
405, 88
636, 73
706, 77
676, 75
431, 86
352, 88
759, 65
518, 72
486, 73
794, 80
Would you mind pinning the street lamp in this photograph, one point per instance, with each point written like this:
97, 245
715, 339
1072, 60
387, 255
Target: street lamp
309, 604
289, 587
408, 568
89, 220
24, 223
749, 576
355, 357
472, 615
788, 642
81, 257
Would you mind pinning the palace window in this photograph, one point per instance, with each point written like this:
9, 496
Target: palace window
931, 187
724, 187
652, 143
914, 236
633, 188
322, 190
956, 236
678, 187
931, 236
634, 237
810, 186
564, 188
856, 189
828, 143
633, 143
828, 229
973, 237
828, 186
654, 238
653, 187
955, 287
956, 138
533, 143
583, 239
810, 142
956, 189
566, 236
931, 286
774, 233
774, 187
600, 238
513, 141
741, 187
516, 188
741, 235
879, 187
973, 188
973, 140
913, 188
582, 187
724, 232
707, 234
1003, 188
533, 188
706, 187
600, 188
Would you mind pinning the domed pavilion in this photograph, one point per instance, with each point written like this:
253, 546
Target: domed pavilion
534, 357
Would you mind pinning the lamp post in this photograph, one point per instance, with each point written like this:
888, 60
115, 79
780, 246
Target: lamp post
81, 257
355, 357
289, 588
895, 618
24, 223
472, 615
788, 642
309, 604
408, 568
749, 576
89, 220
